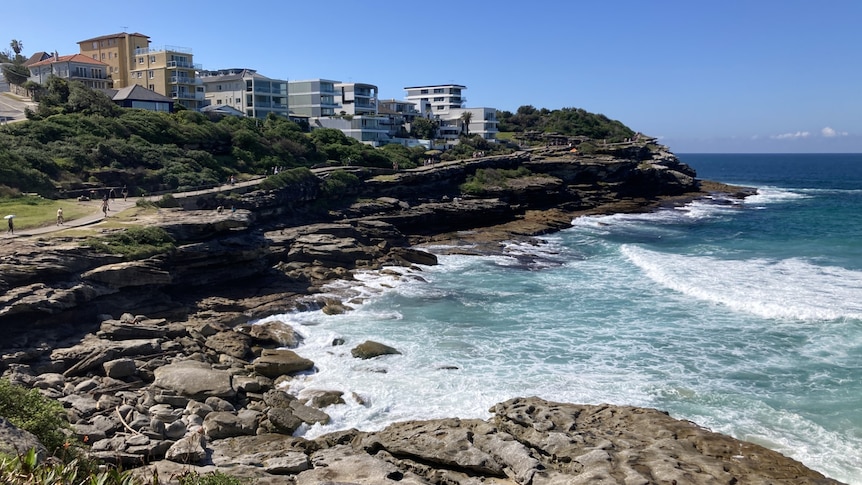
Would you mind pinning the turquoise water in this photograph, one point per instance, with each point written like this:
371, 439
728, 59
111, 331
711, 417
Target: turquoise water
744, 317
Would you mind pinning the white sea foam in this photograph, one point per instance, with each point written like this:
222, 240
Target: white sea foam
773, 195
784, 289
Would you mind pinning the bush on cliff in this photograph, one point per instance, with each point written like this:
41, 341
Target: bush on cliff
286, 178
486, 179
135, 243
29, 410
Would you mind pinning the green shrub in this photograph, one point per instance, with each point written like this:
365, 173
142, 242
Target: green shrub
135, 242
339, 184
287, 177
168, 201
487, 178
25, 470
213, 478
29, 410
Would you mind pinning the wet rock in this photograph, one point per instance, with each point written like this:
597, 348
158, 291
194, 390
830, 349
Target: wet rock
370, 349
274, 363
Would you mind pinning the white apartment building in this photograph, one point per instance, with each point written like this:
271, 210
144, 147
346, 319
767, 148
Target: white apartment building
245, 90
436, 100
368, 129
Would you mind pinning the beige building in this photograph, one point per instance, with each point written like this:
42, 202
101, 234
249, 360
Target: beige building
169, 71
117, 51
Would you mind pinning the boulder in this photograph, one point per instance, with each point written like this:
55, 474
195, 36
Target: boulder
120, 368
271, 333
189, 449
219, 424
277, 362
193, 379
370, 349
132, 273
15, 441
231, 343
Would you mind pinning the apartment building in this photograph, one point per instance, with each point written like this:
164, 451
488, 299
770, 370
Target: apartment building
74, 67
117, 51
399, 114
356, 98
245, 90
436, 100
169, 71
482, 122
313, 98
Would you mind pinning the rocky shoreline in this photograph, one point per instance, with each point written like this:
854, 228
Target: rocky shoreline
159, 367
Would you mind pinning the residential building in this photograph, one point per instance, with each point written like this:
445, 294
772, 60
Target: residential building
313, 98
74, 67
117, 51
436, 100
356, 98
483, 122
253, 94
399, 114
365, 128
137, 96
170, 71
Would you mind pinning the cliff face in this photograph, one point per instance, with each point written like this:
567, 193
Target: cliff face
181, 380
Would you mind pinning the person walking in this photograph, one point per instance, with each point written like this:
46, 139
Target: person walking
60, 216
11, 225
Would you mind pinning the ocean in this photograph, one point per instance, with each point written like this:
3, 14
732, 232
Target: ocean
742, 316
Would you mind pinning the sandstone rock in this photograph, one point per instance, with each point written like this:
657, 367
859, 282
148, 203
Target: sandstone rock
133, 273
283, 420
120, 368
271, 333
218, 425
308, 414
341, 464
370, 349
231, 343
189, 449
274, 363
290, 463
15, 441
219, 404
194, 379
320, 398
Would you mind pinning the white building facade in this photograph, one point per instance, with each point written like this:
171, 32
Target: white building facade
245, 90
313, 98
75, 67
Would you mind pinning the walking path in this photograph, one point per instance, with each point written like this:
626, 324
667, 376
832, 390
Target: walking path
118, 205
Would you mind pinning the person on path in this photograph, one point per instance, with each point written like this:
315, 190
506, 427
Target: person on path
11, 226
105, 207
125, 193
60, 216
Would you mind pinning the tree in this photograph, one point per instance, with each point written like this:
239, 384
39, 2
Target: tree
466, 117
424, 129
16, 46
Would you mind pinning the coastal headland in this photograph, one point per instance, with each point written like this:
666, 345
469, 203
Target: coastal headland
160, 365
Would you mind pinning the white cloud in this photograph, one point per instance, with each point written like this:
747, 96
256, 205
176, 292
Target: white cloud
830, 132
791, 136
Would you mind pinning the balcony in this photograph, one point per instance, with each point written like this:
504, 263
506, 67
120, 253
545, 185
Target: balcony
183, 64
182, 80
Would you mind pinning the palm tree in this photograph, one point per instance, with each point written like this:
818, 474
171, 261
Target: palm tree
465, 119
17, 46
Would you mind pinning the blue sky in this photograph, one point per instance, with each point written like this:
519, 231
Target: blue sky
704, 76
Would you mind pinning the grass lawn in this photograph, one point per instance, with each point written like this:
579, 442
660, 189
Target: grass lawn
34, 211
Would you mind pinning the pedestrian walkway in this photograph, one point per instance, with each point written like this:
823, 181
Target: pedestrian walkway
116, 206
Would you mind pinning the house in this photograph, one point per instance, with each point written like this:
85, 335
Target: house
398, 115
170, 71
252, 94
117, 51
221, 110
37, 57
75, 67
366, 129
137, 96
313, 98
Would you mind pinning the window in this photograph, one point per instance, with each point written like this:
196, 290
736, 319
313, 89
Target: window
218, 87
424, 91
152, 87
110, 55
440, 99
95, 57
140, 60
95, 45
218, 101
438, 90
153, 59
238, 100
152, 74
103, 56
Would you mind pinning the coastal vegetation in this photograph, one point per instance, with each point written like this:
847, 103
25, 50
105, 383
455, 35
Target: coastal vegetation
486, 179
134, 242
77, 140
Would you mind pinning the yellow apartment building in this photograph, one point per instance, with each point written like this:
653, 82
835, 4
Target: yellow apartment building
169, 71
117, 51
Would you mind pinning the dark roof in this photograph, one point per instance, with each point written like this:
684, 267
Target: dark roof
36, 57
139, 93
222, 109
113, 36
